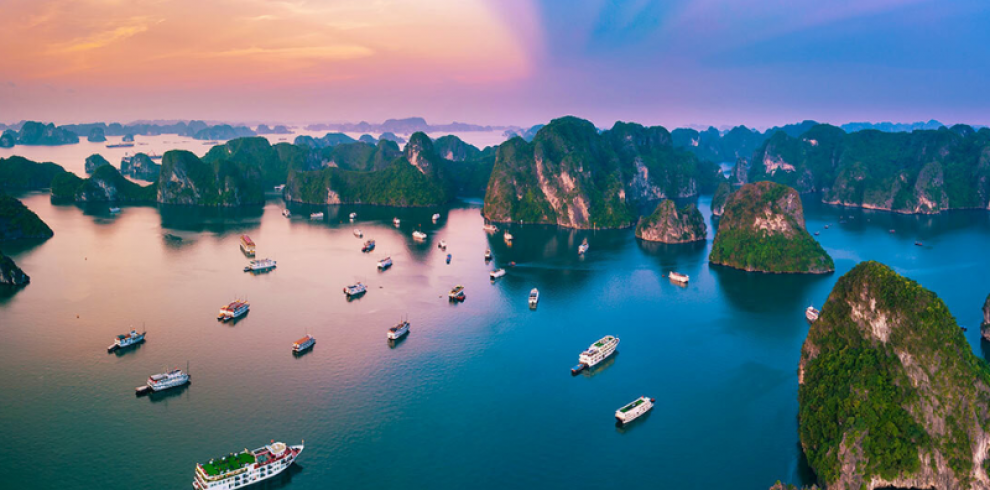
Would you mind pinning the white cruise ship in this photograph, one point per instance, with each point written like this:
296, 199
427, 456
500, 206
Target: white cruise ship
316, 216
490, 228
598, 352
811, 313
396, 221
355, 290
233, 311
419, 236
385, 263
436, 217
246, 467
633, 410
164, 381
398, 331
583, 248
497, 273
352, 216
534, 297
302, 344
262, 265
678, 277
442, 245
126, 340
358, 233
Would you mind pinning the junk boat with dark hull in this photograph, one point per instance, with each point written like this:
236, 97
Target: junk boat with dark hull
247, 246
164, 381
598, 352
368, 246
633, 410
233, 311
457, 294
127, 340
398, 331
246, 467
301, 345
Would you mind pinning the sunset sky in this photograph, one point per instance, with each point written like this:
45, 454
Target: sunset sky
515, 62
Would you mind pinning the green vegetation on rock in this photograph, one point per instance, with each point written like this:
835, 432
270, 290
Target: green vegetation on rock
105, 185
187, 180
11, 276
93, 162
23, 174
668, 224
763, 230
19, 222
720, 197
890, 389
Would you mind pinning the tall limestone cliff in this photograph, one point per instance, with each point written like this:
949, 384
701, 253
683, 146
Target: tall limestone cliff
23, 174
105, 185
17, 222
668, 224
572, 176
11, 276
890, 392
720, 197
93, 162
763, 230
187, 180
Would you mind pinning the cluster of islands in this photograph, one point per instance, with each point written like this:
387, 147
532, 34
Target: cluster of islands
890, 393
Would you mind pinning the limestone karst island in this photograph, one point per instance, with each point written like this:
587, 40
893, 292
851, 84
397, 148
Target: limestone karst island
487, 245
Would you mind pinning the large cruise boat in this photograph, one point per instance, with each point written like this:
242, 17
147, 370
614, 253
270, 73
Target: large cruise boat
300, 346
811, 314
583, 248
246, 467
398, 331
233, 311
247, 246
598, 352
418, 236
263, 265
385, 263
678, 277
633, 410
127, 340
159, 382
355, 290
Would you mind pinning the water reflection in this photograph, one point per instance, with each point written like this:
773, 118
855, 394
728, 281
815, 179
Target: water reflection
282, 480
220, 220
759, 292
601, 367
162, 396
623, 429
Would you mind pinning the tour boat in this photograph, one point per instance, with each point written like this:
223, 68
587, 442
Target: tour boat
316, 216
233, 311
246, 467
280, 188
263, 265
163, 381
534, 297
448, 258
488, 254
583, 247
114, 210
490, 228
126, 144
436, 217
385, 263
826, 227
419, 236
442, 245
127, 340
677, 276
457, 294
300, 346
247, 246
598, 352
811, 313
286, 213
355, 290
398, 331
368, 246
508, 236
816, 233
495, 274
352, 216
358, 233
634, 410
395, 221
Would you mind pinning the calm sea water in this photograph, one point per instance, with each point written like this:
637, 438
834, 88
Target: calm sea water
479, 395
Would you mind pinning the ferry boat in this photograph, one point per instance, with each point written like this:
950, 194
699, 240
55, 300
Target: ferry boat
811, 313
368, 246
490, 228
126, 340
355, 290
352, 216
263, 265
678, 277
385, 263
634, 410
583, 247
125, 144
247, 246
280, 188
508, 236
398, 331
598, 352
495, 274
534, 297
159, 382
358, 233
114, 210
419, 236
301, 345
395, 221
436, 217
246, 467
316, 216
488, 254
457, 294
442, 245
286, 213
233, 311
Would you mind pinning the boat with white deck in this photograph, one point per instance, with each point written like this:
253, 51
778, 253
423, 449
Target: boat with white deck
534, 297
418, 236
811, 313
490, 228
316, 216
634, 410
497, 273
262, 265
678, 277
300, 346
488, 254
442, 245
398, 331
352, 216
126, 340
358, 233
508, 236
164, 381
355, 290
457, 294
233, 311
596, 353
583, 248
396, 221
385, 263
436, 217
238, 470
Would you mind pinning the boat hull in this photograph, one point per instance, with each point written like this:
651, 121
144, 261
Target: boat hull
253, 476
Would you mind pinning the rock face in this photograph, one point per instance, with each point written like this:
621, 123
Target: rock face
454, 149
128, 138
781, 486
921, 172
721, 195
763, 230
11, 276
105, 185
18, 222
330, 139
223, 132
985, 326
140, 166
22, 174
94, 161
572, 176
187, 180
96, 135
8, 139
890, 392
36, 133
667, 224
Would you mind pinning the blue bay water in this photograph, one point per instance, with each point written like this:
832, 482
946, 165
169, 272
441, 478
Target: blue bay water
479, 395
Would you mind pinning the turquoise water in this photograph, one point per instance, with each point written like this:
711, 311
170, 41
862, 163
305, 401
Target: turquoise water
479, 395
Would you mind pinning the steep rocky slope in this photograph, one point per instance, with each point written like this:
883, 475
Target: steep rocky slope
668, 224
18, 222
105, 185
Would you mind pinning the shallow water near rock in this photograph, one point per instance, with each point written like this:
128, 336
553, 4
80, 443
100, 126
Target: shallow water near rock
478, 395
